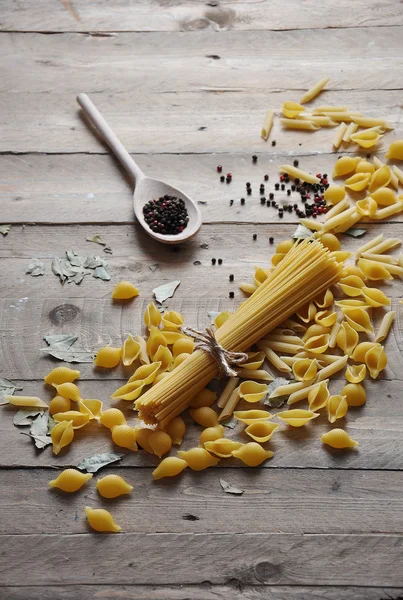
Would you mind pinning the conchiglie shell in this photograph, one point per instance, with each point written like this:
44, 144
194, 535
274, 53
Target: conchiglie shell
360, 351
124, 290
261, 275
335, 194
112, 486
359, 319
164, 356
172, 320
318, 396
62, 435
101, 520
315, 330
276, 259
176, 430
330, 241
324, 299
129, 391
222, 447
172, 336
124, 436
108, 357
169, 467
59, 404
341, 255
160, 442
180, 359
155, 340
112, 417
292, 109
252, 391
356, 373
92, 407
353, 270
130, 351
146, 373
376, 360
77, 418
252, 416
297, 417
221, 318
142, 437
254, 361
27, 401
381, 178
338, 438
61, 375
355, 394
336, 408
307, 312
351, 303
327, 318
252, 454
68, 390
152, 316
375, 297
345, 165
185, 344
347, 338
358, 181
367, 207
70, 480
284, 246
205, 397
211, 434
351, 285
205, 416
395, 150
317, 344
198, 459
364, 166
261, 431
384, 196
366, 139
305, 369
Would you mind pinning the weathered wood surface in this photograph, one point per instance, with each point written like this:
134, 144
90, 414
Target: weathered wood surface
122, 15
224, 114
261, 559
378, 427
286, 501
234, 590
93, 189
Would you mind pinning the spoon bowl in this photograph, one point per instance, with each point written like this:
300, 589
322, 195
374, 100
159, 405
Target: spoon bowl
145, 188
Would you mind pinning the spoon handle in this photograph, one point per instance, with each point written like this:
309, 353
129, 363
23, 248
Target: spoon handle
110, 137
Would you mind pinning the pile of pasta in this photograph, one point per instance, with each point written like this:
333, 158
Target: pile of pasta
353, 126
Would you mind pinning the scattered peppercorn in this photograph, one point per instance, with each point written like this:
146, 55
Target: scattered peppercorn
273, 143
276, 186
266, 177
249, 191
222, 178
271, 196
231, 202
228, 179
297, 180
280, 214
262, 200
219, 261
248, 184
231, 295
288, 192
242, 201
271, 240
255, 236
219, 168
213, 261
167, 215
283, 187
231, 277
296, 163
293, 188
254, 158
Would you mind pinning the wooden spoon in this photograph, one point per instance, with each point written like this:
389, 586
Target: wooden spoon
146, 188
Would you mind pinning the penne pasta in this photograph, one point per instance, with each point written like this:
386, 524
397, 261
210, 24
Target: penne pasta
274, 359
230, 405
398, 174
350, 222
258, 374
338, 138
227, 391
385, 326
294, 326
314, 90
388, 211
320, 120
352, 128
369, 245
337, 209
329, 109
385, 245
332, 368
267, 124
290, 388
338, 219
344, 117
363, 121
298, 124
380, 257
278, 347
311, 224
303, 393
288, 339
302, 175
333, 334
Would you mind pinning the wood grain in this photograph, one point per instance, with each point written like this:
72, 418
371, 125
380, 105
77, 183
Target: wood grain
101, 16
378, 427
325, 502
263, 559
234, 590
93, 189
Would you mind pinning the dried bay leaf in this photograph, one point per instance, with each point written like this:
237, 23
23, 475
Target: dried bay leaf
92, 262
280, 400
39, 426
302, 233
24, 416
35, 268
204, 246
154, 267
212, 314
7, 387
355, 232
4, 229
230, 489
231, 423
41, 441
101, 273
165, 291
60, 347
96, 239
93, 463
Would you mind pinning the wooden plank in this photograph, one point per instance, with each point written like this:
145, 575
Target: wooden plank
378, 427
93, 189
264, 559
213, 120
174, 61
234, 590
100, 16
295, 501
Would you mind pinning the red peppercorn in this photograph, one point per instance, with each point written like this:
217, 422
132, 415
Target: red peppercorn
320, 210
319, 175
281, 177
219, 168
324, 181
324, 209
229, 174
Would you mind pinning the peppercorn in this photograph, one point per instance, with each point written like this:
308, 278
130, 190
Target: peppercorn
255, 236
274, 203
231, 277
296, 163
167, 215
228, 179
293, 188
325, 175
271, 196
249, 191
213, 261
281, 177
254, 158
297, 180
242, 201
268, 203
280, 214
273, 142
262, 200
219, 168
222, 178
229, 174
248, 184
276, 186
266, 177
288, 192
231, 202
282, 187
231, 295
295, 206
219, 261
271, 240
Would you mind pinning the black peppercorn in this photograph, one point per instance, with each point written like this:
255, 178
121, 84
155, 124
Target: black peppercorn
255, 236
280, 214
282, 187
231, 202
249, 191
273, 143
228, 179
266, 177
254, 158
271, 240
293, 188
242, 200
213, 261
296, 163
231, 277
222, 178
288, 192
297, 180
248, 184
276, 186
262, 200
268, 203
219, 261
231, 295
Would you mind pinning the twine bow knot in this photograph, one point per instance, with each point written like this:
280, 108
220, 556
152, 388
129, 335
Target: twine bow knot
225, 359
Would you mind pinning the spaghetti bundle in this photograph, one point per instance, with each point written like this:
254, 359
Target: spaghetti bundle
306, 271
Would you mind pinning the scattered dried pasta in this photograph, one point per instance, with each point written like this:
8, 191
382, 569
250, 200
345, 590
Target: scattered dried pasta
261, 431
176, 430
198, 459
70, 480
252, 454
124, 290
336, 408
27, 401
169, 467
296, 417
101, 520
160, 442
338, 438
61, 375
62, 434
112, 486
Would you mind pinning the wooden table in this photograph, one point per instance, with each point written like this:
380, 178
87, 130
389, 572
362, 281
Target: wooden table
185, 85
